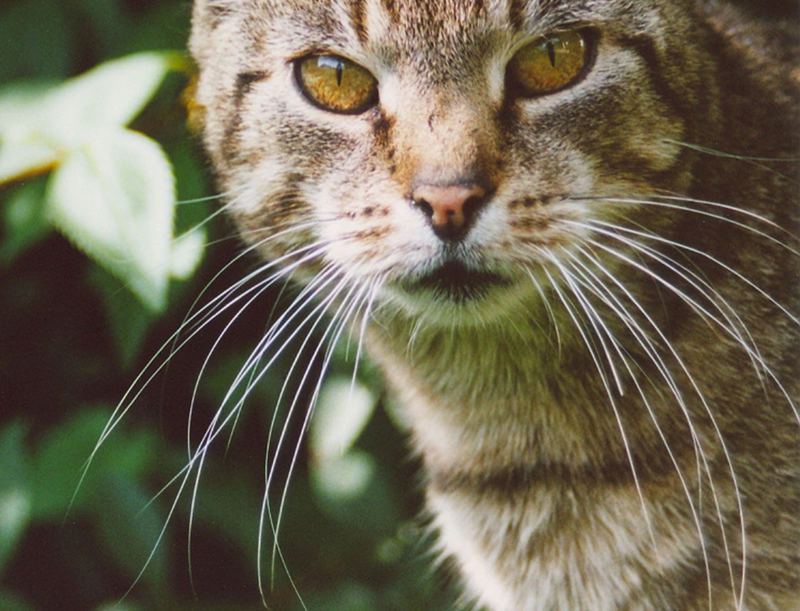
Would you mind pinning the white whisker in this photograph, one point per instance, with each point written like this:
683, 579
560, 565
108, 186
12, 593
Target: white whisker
596, 285
700, 309
600, 330
705, 213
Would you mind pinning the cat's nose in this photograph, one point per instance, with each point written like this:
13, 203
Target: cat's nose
450, 209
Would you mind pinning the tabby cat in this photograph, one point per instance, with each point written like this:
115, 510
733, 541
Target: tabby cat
565, 231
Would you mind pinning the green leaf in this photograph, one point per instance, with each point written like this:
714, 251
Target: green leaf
24, 221
58, 462
224, 486
342, 412
128, 318
15, 493
62, 454
129, 527
114, 199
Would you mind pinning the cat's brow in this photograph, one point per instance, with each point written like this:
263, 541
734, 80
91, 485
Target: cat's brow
399, 11
343, 24
358, 19
516, 13
321, 27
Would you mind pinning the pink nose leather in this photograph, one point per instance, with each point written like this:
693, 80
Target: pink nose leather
448, 204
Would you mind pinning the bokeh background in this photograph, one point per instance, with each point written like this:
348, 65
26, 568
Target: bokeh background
73, 338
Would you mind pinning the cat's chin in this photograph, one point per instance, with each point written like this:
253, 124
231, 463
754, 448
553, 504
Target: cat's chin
454, 283
455, 294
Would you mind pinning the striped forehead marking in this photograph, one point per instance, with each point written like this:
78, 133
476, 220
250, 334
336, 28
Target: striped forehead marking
415, 12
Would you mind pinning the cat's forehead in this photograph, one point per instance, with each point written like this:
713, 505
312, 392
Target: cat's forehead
401, 23
438, 41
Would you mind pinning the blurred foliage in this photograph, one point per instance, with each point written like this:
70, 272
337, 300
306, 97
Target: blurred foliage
92, 162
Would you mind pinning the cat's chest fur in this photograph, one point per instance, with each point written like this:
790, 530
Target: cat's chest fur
561, 523
560, 230
546, 499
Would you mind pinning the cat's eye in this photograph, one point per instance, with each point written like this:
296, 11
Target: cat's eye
549, 63
336, 84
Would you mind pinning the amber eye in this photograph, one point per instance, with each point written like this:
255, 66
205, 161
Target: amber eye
336, 84
548, 63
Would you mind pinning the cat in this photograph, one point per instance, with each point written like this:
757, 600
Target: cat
565, 231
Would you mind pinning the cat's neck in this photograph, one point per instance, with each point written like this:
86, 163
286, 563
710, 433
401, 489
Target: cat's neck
484, 398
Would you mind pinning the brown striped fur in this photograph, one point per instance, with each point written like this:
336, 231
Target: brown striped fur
601, 375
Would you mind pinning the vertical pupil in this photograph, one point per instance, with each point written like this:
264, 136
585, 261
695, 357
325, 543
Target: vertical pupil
551, 53
326, 61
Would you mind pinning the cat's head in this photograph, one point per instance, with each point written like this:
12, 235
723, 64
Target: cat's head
445, 151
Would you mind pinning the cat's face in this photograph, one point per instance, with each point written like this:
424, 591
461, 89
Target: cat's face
445, 150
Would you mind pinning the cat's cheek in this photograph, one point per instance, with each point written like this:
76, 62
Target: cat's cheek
546, 188
251, 189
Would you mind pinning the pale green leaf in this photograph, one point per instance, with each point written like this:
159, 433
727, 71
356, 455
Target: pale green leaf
352, 485
111, 94
20, 159
19, 101
40, 124
344, 478
114, 199
342, 412
24, 149
187, 251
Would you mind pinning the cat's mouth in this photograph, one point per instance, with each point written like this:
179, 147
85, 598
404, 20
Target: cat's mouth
457, 283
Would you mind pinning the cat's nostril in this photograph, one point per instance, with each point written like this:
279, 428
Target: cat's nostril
426, 208
472, 205
449, 208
